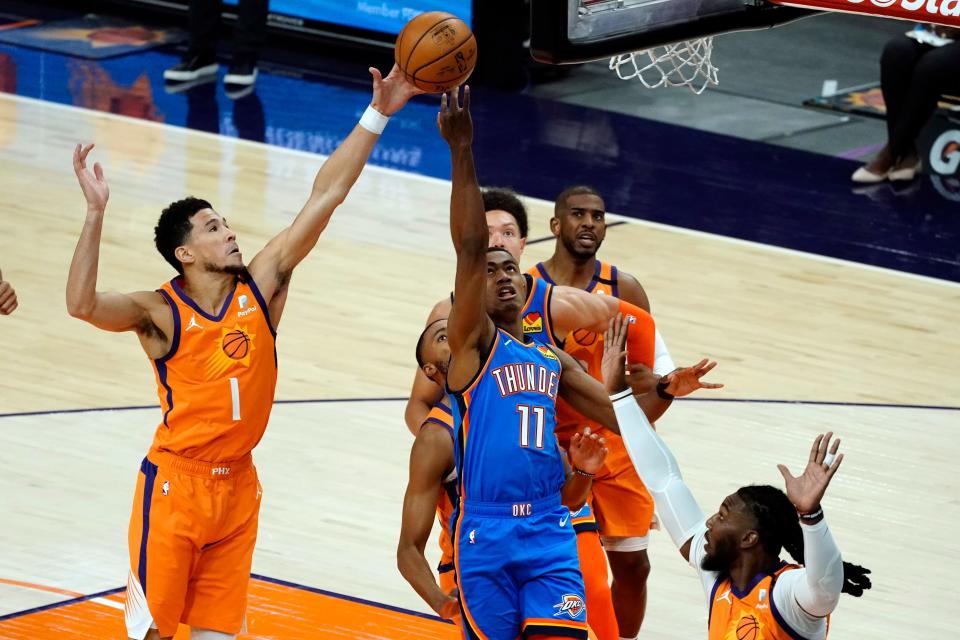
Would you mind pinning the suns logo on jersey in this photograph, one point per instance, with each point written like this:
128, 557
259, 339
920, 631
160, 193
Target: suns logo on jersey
533, 322
236, 345
547, 352
570, 604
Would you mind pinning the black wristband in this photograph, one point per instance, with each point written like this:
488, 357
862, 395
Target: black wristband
583, 473
662, 389
813, 515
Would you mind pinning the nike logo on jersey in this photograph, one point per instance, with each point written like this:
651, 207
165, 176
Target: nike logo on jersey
564, 519
506, 342
193, 323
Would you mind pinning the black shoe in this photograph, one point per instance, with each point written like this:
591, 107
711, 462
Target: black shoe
191, 69
241, 73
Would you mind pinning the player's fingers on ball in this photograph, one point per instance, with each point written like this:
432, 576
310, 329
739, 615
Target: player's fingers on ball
466, 97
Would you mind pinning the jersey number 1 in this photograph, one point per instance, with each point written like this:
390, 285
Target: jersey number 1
235, 397
525, 410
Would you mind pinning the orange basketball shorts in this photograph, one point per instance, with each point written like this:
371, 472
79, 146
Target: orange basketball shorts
621, 503
191, 539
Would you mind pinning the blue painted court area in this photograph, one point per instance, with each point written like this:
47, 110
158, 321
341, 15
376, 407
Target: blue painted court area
645, 169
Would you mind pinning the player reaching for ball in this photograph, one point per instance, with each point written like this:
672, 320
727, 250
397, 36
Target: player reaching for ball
209, 334
751, 593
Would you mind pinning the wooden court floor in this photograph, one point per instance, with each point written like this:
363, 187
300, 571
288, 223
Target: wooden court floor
811, 343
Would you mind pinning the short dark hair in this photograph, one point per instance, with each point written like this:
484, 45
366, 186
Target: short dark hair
502, 199
174, 226
577, 190
422, 340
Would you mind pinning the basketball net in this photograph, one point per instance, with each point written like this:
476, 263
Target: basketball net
681, 64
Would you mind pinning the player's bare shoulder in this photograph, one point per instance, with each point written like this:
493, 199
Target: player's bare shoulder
632, 291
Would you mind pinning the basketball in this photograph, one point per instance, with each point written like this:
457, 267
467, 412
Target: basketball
236, 344
584, 337
436, 51
747, 628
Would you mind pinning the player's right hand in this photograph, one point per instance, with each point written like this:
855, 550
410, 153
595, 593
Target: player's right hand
93, 185
454, 121
449, 607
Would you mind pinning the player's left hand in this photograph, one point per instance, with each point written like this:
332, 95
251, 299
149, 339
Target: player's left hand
686, 380
392, 92
587, 451
806, 491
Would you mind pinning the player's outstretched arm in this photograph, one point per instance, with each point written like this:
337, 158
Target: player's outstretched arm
271, 267
430, 458
8, 297
469, 329
660, 390
107, 310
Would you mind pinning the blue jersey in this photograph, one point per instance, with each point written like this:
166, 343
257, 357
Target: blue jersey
537, 322
506, 450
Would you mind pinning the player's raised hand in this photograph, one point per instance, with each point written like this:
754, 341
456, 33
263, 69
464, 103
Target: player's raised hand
617, 374
93, 184
449, 606
392, 92
613, 364
454, 121
806, 491
587, 451
686, 380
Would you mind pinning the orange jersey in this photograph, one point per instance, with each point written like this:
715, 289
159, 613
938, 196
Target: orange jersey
217, 382
586, 346
751, 615
446, 500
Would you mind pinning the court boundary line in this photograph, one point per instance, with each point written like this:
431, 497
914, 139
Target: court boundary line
407, 175
253, 576
815, 403
355, 599
62, 603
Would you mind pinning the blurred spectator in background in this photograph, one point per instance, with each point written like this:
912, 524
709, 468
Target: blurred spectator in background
915, 70
201, 56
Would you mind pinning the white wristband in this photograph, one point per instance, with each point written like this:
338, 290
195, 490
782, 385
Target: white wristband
374, 121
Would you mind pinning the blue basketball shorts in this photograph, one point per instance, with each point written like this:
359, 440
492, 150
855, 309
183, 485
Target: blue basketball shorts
518, 571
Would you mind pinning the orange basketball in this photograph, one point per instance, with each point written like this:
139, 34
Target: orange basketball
436, 51
747, 628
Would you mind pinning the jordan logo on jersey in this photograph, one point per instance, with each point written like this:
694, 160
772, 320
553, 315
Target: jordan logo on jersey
725, 596
193, 323
533, 322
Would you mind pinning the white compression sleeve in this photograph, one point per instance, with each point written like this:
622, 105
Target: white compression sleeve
823, 566
662, 362
656, 466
